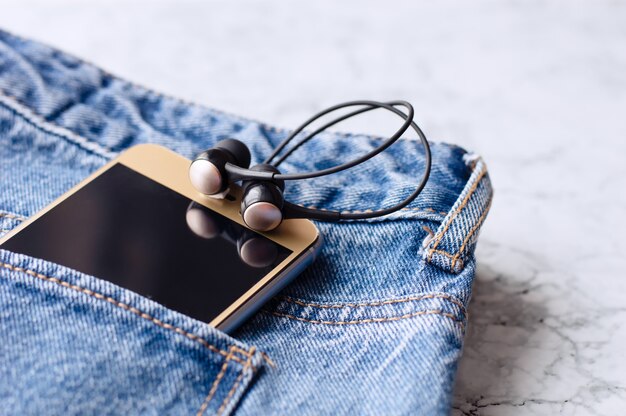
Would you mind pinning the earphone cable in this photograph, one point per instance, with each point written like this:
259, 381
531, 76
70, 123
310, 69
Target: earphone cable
300, 211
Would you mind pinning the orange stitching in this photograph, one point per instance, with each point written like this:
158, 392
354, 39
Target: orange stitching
216, 383
236, 384
232, 391
428, 230
268, 360
457, 211
245, 353
251, 353
121, 305
473, 230
380, 303
370, 320
11, 216
444, 253
448, 255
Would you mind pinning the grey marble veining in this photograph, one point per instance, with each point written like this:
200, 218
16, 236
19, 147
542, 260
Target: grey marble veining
537, 88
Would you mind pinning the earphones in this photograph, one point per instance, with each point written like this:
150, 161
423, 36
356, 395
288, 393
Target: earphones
263, 206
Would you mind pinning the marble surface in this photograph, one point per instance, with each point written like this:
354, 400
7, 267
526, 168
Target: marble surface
537, 88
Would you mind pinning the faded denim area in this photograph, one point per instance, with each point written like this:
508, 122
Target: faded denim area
374, 326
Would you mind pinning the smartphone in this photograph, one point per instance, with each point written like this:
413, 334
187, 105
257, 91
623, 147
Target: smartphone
138, 223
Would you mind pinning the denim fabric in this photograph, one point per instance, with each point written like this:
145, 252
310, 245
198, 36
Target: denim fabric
374, 326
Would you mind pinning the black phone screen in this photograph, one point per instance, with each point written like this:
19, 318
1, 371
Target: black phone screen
136, 233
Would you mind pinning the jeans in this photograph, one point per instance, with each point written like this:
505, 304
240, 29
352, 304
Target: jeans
374, 326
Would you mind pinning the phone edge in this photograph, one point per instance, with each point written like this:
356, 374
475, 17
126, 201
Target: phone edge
279, 282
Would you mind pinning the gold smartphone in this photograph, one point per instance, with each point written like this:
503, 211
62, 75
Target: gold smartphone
138, 223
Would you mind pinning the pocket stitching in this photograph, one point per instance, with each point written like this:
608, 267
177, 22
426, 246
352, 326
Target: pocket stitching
132, 309
372, 320
216, 383
376, 303
357, 211
456, 212
228, 398
470, 234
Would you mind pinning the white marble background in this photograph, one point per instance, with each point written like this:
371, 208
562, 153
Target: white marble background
537, 88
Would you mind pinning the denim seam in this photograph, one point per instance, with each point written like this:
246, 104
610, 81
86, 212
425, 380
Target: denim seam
372, 320
27, 114
475, 228
440, 236
228, 398
129, 308
356, 211
376, 303
216, 383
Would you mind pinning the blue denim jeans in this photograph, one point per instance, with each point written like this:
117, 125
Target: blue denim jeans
374, 326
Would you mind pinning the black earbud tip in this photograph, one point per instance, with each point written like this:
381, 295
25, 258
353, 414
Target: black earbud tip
238, 150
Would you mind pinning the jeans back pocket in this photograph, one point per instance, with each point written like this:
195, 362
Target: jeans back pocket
75, 344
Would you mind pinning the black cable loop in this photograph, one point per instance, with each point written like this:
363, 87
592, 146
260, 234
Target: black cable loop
321, 129
323, 172
297, 211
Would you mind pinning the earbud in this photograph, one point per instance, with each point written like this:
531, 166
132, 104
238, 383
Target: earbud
207, 172
262, 200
